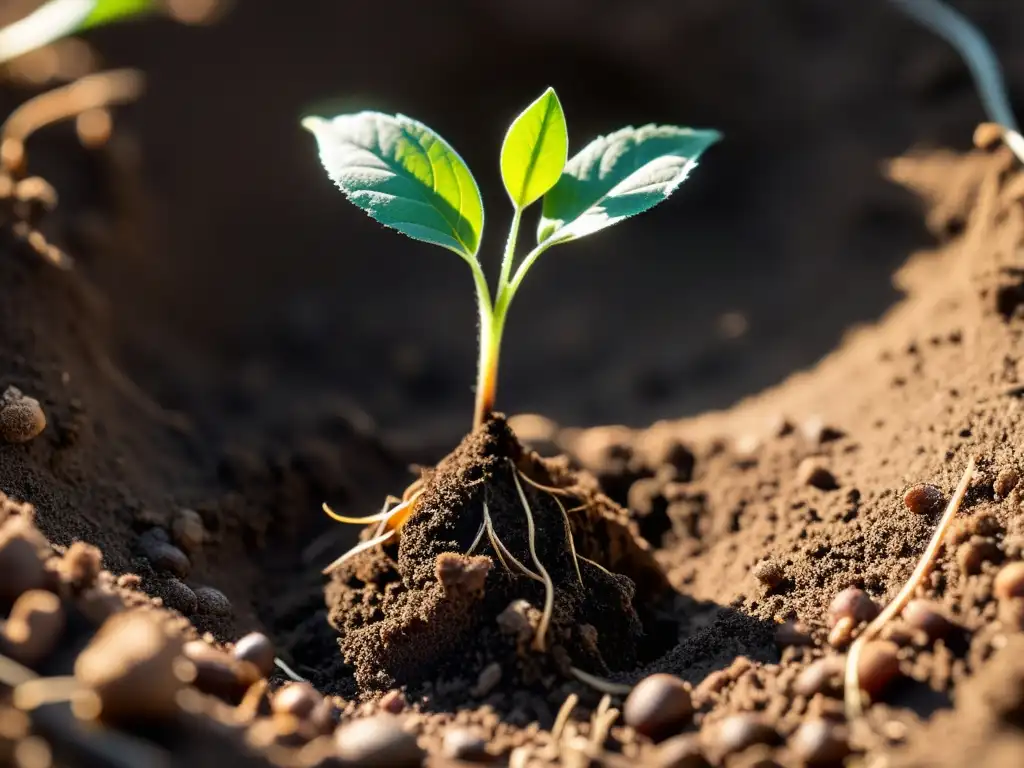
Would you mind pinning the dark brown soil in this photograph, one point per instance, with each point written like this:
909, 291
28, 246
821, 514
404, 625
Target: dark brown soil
230, 353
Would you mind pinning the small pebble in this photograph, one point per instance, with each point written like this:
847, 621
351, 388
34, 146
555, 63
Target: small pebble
81, 565
658, 706
219, 674
258, 650
822, 676
167, 558
179, 596
793, 633
681, 752
188, 530
34, 628
393, 702
852, 603
296, 699
926, 616
924, 499
769, 572
1009, 582
378, 740
821, 743
972, 555
1006, 481
465, 745
134, 668
21, 417
879, 665
213, 602
487, 680
738, 732
21, 561
842, 633
814, 473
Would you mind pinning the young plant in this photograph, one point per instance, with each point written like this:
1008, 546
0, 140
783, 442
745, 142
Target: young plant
408, 178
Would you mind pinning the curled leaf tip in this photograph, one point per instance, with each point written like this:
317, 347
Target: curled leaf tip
313, 123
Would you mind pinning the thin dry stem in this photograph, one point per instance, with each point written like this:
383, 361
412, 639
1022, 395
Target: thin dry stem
541, 487
564, 713
476, 541
95, 91
359, 548
503, 551
289, 672
853, 696
599, 567
539, 640
600, 684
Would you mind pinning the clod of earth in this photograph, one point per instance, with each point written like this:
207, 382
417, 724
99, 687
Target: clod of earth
407, 610
21, 417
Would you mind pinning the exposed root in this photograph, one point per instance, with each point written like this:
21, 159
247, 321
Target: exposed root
288, 671
597, 565
600, 684
13, 674
503, 552
96, 91
547, 488
383, 516
539, 640
555, 493
853, 696
41, 691
564, 713
604, 718
358, 549
477, 540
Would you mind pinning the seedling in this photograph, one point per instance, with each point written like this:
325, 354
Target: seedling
408, 178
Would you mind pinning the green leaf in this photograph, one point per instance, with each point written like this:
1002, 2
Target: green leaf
60, 18
535, 150
106, 11
405, 176
618, 176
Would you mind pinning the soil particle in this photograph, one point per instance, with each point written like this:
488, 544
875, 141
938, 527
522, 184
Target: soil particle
684, 751
972, 555
465, 745
219, 674
178, 596
927, 617
770, 572
1006, 481
212, 602
924, 499
296, 699
80, 565
824, 675
1009, 582
34, 627
814, 472
739, 732
134, 667
21, 417
188, 531
378, 740
23, 551
820, 743
257, 649
167, 558
879, 666
854, 604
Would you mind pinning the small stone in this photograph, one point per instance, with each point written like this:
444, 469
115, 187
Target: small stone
465, 745
178, 596
81, 565
167, 558
188, 530
1009, 582
515, 620
842, 633
1006, 481
34, 628
378, 740
213, 602
812, 471
393, 702
21, 417
296, 699
879, 665
925, 616
658, 706
258, 650
769, 572
22, 550
218, 674
924, 499
792, 633
821, 743
133, 667
681, 752
852, 603
972, 555
737, 732
488, 680
822, 676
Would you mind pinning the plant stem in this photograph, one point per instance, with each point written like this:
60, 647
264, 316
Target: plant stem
510, 250
487, 370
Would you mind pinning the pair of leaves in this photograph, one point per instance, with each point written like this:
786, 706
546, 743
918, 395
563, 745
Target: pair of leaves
407, 177
59, 18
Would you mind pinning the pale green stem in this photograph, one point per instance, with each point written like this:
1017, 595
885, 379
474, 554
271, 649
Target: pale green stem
510, 250
47, 23
487, 369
